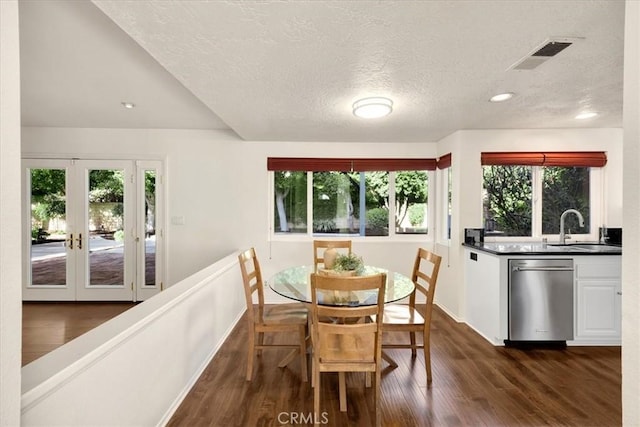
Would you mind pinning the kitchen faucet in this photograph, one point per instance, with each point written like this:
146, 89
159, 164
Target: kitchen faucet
580, 219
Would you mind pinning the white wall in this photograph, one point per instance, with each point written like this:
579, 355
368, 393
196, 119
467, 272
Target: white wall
10, 258
449, 295
630, 265
203, 174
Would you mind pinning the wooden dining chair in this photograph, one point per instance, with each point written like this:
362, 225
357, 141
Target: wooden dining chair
344, 344
406, 317
287, 319
319, 246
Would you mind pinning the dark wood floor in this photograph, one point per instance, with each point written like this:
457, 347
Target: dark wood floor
474, 384
46, 326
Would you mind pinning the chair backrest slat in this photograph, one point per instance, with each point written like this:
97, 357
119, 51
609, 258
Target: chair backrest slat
425, 275
252, 279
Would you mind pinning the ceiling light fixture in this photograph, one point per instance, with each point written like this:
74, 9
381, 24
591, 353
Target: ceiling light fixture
586, 115
128, 105
372, 108
501, 97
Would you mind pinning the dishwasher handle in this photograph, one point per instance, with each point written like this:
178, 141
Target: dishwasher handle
518, 268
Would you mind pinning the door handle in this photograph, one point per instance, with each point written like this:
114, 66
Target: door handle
70, 241
79, 241
542, 269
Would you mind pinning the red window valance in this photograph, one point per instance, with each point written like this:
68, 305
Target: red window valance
444, 161
547, 158
347, 165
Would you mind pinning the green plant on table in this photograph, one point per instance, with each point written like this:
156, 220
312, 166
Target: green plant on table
348, 262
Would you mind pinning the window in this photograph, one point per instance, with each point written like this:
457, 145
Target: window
528, 200
372, 197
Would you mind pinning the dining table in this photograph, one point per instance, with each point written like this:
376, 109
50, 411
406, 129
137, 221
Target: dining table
295, 283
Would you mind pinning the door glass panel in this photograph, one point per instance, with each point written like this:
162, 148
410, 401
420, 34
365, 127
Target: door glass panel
106, 227
48, 227
150, 227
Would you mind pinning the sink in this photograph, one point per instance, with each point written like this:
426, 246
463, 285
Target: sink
597, 247
566, 248
588, 247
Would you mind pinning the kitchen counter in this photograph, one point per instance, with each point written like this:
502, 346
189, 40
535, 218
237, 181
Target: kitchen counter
539, 248
597, 288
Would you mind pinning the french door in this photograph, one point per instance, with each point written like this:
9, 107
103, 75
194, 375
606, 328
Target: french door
92, 230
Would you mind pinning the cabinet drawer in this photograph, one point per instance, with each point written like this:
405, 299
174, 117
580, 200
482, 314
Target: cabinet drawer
597, 271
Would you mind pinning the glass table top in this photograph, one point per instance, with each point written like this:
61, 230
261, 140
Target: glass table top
294, 283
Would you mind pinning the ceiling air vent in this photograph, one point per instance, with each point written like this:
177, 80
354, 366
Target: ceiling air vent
552, 49
542, 53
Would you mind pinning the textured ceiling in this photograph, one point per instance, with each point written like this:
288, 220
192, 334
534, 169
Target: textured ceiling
290, 70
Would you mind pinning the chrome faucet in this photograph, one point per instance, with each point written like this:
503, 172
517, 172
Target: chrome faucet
580, 219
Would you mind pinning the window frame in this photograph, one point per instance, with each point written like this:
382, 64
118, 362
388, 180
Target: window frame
444, 178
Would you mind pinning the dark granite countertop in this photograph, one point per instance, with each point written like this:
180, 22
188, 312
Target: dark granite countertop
539, 248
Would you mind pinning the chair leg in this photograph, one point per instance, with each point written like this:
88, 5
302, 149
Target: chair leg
376, 396
303, 353
260, 342
412, 336
342, 386
427, 354
315, 379
250, 355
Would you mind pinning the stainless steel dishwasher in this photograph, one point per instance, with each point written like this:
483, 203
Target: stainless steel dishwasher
540, 299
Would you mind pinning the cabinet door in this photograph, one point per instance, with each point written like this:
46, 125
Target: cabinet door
598, 309
485, 307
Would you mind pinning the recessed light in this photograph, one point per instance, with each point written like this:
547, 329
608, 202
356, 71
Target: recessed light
372, 108
586, 115
502, 97
128, 105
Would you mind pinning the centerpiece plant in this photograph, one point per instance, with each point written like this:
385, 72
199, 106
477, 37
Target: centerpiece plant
348, 262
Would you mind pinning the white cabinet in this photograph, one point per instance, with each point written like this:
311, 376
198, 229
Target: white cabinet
486, 304
598, 300
597, 297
